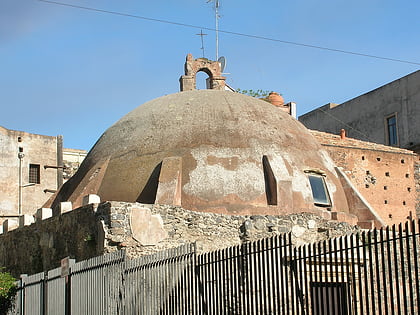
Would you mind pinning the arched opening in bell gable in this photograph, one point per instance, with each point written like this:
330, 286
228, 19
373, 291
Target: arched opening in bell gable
203, 79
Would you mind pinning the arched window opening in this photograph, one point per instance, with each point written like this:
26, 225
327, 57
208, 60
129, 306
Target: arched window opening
202, 80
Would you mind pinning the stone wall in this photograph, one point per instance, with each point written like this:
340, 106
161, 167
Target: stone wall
144, 229
213, 231
41, 245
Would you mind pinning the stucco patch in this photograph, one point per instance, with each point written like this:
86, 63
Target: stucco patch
217, 181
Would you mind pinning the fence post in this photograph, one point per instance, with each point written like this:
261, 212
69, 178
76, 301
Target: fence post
44, 294
66, 264
67, 293
22, 294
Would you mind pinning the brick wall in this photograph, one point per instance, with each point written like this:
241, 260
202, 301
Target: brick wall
385, 176
417, 178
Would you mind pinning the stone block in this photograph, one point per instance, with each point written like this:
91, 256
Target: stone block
43, 213
9, 225
26, 219
65, 206
298, 230
91, 198
146, 228
311, 224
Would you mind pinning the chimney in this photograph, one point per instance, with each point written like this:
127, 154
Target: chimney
275, 99
343, 134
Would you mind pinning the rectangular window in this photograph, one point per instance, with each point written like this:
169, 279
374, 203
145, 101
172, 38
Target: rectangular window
319, 191
34, 174
391, 123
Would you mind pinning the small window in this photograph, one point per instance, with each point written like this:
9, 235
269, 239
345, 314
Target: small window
34, 174
391, 123
319, 191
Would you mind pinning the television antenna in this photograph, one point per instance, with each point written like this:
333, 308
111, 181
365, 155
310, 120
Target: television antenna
202, 40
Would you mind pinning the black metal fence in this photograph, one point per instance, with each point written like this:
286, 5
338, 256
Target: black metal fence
371, 272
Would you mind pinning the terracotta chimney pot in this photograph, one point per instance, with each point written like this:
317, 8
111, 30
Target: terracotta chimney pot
276, 99
343, 133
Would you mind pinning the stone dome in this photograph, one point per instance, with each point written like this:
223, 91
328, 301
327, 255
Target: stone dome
208, 150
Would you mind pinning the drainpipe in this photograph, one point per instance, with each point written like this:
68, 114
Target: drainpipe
20, 156
59, 161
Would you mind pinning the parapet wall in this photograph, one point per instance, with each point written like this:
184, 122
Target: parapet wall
41, 245
143, 229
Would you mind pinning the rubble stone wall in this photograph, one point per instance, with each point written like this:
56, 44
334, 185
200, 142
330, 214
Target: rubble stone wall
92, 230
41, 245
213, 231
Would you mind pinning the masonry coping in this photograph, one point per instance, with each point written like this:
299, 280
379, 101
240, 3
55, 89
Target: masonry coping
329, 139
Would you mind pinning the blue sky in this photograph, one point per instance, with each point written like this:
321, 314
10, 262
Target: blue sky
75, 72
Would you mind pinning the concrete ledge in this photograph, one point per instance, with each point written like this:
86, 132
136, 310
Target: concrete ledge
43, 213
65, 206
91, 199
26, 219
9, 225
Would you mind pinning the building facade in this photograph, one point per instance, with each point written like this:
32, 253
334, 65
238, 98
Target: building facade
384, 176
28, 171
388, 115
32, 168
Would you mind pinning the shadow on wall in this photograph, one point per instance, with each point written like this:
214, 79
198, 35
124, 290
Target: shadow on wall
148, 194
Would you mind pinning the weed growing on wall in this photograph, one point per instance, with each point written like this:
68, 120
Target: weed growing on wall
261, 94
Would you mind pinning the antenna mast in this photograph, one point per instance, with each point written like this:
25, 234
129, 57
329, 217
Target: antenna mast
216, 8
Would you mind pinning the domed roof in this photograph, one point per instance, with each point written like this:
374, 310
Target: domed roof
207, 150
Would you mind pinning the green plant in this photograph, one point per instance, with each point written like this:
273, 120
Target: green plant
260, 94
89, 238
7, 291
255, 93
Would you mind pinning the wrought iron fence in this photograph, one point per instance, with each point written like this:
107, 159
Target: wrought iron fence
371, 272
